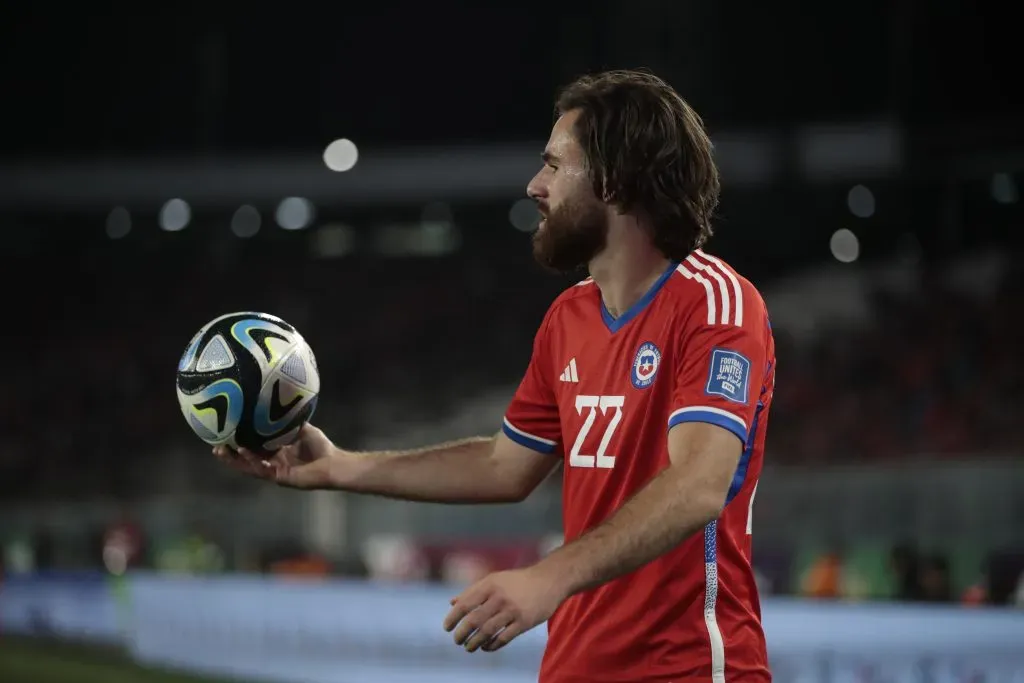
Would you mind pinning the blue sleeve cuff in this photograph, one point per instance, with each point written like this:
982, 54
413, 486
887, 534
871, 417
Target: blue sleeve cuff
710, 415
534, 443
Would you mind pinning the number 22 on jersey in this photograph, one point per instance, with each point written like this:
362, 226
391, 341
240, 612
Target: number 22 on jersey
590, 407
610, 408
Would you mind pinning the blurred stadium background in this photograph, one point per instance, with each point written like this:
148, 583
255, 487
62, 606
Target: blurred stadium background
361, 173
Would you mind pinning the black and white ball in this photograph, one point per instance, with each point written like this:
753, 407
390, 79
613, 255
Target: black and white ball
248, 379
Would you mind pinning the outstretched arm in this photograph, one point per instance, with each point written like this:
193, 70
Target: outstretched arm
478, 470
481, 470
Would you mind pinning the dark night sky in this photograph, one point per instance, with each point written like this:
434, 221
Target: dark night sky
94, 81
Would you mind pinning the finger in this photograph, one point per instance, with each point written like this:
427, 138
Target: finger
257, 465
251, 458
231, 458
455, 614
284, 461
285, 455
491, 628
463, 604
474, 621
503, 638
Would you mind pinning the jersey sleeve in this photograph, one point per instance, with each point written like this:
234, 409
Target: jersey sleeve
532, 417
719, 373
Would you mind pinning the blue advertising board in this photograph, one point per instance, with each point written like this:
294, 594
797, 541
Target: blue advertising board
72, 605
335, 631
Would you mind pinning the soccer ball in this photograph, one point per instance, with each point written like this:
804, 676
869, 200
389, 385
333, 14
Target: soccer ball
249, 380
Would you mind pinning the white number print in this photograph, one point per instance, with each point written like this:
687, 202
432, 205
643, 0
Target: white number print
593, 404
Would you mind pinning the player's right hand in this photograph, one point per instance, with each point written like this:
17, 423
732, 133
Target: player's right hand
303, 464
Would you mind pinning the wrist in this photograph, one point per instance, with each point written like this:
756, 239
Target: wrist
335, 469
559, 574
344, 469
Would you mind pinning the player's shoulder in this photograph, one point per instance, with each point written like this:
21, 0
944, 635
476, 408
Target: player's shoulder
567, 305
581, 290
705, 284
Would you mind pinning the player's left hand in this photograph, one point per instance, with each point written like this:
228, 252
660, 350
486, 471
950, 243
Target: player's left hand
501, 606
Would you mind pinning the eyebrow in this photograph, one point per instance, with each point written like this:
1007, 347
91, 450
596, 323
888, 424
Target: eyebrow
548, 157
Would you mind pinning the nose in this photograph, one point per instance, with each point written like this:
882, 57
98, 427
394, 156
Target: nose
536, 189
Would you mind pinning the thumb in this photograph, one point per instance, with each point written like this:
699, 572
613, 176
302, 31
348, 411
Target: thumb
309, 431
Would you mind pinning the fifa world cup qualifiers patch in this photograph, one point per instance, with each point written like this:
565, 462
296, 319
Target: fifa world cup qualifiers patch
729, 376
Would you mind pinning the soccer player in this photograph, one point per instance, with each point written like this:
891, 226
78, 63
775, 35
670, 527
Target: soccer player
651, 381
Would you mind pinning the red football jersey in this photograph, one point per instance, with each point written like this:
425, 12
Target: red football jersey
602, 393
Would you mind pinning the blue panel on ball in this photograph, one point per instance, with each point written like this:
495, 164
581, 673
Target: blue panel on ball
242, 332
232, 405
200, 429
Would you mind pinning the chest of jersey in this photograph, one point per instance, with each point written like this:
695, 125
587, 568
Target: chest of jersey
614, 395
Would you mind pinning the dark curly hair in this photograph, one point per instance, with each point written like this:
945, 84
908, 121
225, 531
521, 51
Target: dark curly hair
646, 151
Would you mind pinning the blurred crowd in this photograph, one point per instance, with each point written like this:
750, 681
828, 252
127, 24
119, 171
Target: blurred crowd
901, 572
939, 374
906, 573
89, 407
91, 391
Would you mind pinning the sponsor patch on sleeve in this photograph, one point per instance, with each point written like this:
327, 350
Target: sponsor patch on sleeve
729, 376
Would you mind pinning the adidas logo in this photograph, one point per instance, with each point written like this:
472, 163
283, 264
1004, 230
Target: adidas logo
569, 374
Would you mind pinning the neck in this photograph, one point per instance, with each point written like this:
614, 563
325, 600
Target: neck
626, 269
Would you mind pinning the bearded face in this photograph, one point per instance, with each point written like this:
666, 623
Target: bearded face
571, 234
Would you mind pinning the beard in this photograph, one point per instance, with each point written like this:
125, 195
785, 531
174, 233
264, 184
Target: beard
573, 234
